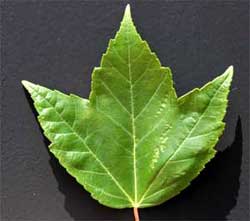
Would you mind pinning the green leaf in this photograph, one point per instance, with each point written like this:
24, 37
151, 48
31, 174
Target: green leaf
134, 143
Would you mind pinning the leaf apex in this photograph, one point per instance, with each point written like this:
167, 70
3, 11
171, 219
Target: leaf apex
127, 13
127, 10
28, 85
230, 70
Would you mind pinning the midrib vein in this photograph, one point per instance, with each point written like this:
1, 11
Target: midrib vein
132, 121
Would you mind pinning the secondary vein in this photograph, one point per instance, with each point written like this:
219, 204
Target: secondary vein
90, 151
183, 141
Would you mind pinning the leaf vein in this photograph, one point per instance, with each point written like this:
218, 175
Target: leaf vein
152, 97
116, 99
92, 153
178, 148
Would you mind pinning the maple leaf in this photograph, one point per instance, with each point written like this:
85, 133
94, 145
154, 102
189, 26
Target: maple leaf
133, 143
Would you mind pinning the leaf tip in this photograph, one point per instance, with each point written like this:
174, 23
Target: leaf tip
229, 72
230, 69
127, 13
227, 75
28, 85
127, 10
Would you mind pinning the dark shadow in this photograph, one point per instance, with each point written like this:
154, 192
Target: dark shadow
211, 196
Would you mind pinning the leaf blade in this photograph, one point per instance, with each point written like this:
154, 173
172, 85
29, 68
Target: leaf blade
134, 143
185, 103
110, 94
39, 95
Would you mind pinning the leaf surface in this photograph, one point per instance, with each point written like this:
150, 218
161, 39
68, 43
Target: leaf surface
133, 143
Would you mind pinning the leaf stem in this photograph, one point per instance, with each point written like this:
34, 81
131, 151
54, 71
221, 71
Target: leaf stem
136, 214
